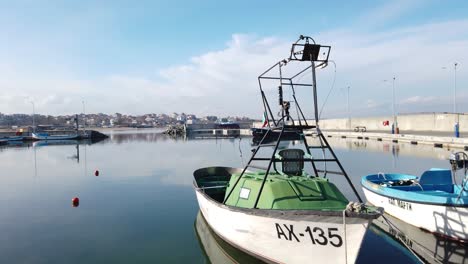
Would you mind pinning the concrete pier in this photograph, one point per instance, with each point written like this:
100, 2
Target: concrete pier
436, 141
420, 122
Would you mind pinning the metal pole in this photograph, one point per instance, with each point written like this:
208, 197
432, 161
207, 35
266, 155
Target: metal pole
314, 84
84, 115
349, 113
455, 89
393, 105
33, 117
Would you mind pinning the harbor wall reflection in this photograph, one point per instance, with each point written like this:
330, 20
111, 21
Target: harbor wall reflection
427, 246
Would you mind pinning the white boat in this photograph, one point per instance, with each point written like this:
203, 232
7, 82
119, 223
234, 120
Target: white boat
47, 136
283, 236
286, 212
433, 202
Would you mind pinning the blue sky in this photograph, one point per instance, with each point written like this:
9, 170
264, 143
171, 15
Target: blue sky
203, 57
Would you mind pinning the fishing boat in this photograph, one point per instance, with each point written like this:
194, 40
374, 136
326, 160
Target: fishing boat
433, 201
258, 135
17, 137
47, 136
281, 207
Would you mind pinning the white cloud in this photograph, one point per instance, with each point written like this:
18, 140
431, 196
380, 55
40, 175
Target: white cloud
224, 81
419, 99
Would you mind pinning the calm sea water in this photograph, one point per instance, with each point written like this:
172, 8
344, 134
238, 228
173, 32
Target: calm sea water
142, 208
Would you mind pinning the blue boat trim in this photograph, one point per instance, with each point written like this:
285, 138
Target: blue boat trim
413, 201
434, 187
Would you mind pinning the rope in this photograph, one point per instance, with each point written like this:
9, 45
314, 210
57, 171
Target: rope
331, 89
345, 239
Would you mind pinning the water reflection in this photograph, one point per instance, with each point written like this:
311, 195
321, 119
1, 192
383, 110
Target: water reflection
142, 205
396, 149
427, 246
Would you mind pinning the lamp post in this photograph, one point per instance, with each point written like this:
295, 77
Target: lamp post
393, 106
395, 124
455, 64
84, 115
349, 113
457, 125
33, 117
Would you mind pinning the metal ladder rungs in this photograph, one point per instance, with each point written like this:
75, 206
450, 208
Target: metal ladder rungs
331, 172
257, 167
267, 145
322, 160
318, 147
262, 159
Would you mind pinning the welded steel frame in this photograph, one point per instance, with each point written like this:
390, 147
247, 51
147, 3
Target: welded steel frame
280, 124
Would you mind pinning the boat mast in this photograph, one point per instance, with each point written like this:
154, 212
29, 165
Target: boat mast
303, 50
314, 88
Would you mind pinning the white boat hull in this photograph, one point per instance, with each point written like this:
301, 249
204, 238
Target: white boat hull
54, 137
286, 238
445, 220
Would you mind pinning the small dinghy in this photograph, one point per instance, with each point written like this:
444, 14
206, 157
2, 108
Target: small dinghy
433, 201
281, 208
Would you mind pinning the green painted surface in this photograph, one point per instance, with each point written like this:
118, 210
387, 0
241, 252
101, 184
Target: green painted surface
280, 192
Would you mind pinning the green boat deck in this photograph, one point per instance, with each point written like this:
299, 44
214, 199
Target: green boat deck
280, 191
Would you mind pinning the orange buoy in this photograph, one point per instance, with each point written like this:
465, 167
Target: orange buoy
96, 173
75, 201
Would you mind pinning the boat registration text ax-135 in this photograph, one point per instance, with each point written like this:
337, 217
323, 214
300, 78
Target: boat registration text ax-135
281, 207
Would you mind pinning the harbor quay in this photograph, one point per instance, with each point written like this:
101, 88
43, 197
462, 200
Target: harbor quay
446, 130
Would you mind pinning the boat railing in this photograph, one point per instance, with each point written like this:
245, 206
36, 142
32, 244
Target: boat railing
211, 187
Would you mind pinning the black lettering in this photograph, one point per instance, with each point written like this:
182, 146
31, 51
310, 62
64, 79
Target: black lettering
310, 234
322, 233
331, 235
291, 232
280, 232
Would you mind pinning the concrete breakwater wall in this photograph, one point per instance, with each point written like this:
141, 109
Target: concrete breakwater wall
440, 122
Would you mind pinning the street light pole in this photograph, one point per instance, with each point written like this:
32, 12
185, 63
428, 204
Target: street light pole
395, 125
33, 117
455, 89
349, 113
84, 114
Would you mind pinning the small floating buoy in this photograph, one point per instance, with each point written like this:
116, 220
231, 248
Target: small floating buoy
75, 201
96, 173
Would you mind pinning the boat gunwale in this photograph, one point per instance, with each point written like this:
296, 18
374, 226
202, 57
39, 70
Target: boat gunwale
280, 213
367, 184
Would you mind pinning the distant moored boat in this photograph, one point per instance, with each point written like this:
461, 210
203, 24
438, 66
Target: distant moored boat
47, 136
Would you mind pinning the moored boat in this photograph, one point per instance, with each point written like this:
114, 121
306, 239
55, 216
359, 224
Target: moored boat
280, 207
47, 136
258, 135
13, 138
432, 201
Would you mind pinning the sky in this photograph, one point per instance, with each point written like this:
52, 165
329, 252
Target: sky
204, 57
